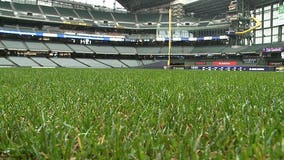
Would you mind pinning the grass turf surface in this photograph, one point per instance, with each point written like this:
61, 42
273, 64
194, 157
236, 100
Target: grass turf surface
140, 114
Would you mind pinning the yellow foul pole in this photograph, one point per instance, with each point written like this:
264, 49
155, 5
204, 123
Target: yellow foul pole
170, 37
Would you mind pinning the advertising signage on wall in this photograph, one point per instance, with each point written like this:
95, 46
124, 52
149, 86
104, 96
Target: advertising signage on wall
224, 63
270, 50
276, 63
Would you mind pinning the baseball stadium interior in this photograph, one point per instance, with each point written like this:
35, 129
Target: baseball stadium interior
193, 34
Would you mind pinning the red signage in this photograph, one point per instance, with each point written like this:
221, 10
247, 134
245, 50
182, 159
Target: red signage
276, 63
224, 63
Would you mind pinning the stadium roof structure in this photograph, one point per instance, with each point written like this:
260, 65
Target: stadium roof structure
209, 8
200, 8
135, 5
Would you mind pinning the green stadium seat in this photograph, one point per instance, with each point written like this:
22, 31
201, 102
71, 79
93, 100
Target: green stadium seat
68, 62
148, 50
49, 10
5, 6
2, 47
124, 17
7, 13
255, 48
103, 49
187, 50
23, 62
84, 14
208, 49
132, 63
44, 62
58, 47
26, 29
5, 62
92, 63
54, 19
14, 45
27, 8
127, 25
165, 18
101, 16
146, 18
36, 46
66, 12
114, 63
126, 50
234, 49
80, 49
175, 50
11, 27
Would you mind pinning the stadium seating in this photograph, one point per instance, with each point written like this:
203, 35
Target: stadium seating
54, 19
92, 63
154, 63
26, 29
114, 63
101, 16
7, 13
126, 25
2, 47
103, 49
208, 49
14, 45
36, 46
66, 12
5, 6
84, 14
24, 62
80, 49
148, 50
126, 20
187, 50
126, 50
5, 62
44, 62
165, 18
49, 10
26, 8
11, 27
255, 48
132, 63
146, 18
124, 17
235, 49
68, 63
174, 50
58, 47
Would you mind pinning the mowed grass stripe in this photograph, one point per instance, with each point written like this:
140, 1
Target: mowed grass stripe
140, 114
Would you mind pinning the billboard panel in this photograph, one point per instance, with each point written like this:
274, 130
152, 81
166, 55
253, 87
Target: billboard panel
224, 63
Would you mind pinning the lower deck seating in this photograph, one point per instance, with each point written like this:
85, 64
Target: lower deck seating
126, 50
68, 63
148, 50
132, 63
5, 62
14, 45
103, 49
24, 62
44, 62
92, 63
114, 63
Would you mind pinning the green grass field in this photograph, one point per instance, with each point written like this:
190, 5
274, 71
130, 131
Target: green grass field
140, 114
